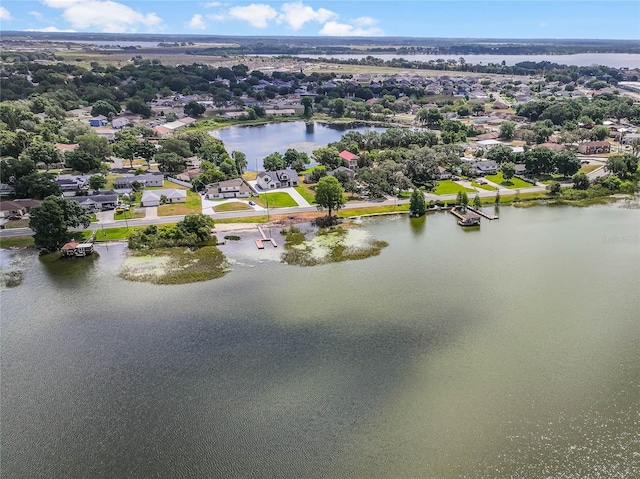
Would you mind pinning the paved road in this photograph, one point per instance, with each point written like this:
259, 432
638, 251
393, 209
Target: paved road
6, 233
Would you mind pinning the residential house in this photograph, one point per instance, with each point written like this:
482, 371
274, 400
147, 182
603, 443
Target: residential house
155, 197
146, 180
72, 183
118, 123
521, 170
17, 207
488, 144
97, 202
594, 147
486, 167
350, 158
6, 189
63, 147
628, 138
236, 188
269, 180
189, 174
341, 169
100, 120
443, 174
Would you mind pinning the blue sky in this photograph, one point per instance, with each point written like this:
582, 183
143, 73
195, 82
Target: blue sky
610, 19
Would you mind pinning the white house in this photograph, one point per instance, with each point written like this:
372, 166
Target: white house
146, 180
443, 174
120, 122
269, 180
235, 188
154, 197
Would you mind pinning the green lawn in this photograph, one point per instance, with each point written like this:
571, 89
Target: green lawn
483, 187
513, 183
244, 219
128, 215
374, 209
235, 206
192, 205
277, 199
588, 168
111, 234
449, 187
11, 224
306, 192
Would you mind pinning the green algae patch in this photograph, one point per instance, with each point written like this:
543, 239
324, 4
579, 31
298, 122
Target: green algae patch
330, 245
174, 265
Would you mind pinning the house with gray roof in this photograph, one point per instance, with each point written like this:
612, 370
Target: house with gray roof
269, 180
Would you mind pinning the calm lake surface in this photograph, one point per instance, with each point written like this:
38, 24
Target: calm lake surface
259, 141
615, 60
507, 351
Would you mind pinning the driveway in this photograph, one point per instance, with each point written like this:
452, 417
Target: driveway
151, 212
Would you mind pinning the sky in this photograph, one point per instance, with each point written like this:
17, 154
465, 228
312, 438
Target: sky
601, 19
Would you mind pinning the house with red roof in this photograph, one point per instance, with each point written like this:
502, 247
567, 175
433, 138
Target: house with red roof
350, 158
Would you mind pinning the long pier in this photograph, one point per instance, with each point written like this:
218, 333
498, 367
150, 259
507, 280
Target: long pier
265, 238
482, 213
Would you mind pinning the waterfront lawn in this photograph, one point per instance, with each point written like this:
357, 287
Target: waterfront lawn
448, 187
192, 205
243, 219
278, 199
111, 234
372, 210
16, 241
249, 175
235, 206
513, 183
306, 192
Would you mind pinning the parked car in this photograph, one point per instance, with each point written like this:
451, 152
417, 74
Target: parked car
482, 182
251, 203
14, 217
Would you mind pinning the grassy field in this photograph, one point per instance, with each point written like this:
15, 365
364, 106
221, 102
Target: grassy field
167, 184
588, 168
276, 200
249, 175
513, 183
482, 187
111, 234
12, 224
372, 210
448, 187
129, 215
235, 206
306, 192
246, 219
192, 205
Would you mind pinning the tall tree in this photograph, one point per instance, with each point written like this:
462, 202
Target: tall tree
41, 152
508, 171
240, 159
126, 146
273, 162
416, 203
51, 219
567, 163
96, 146
307, 103
193, 108
507, 130
81, 161
330, 194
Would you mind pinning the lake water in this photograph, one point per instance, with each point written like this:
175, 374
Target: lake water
507, 351
261, 140
614, 60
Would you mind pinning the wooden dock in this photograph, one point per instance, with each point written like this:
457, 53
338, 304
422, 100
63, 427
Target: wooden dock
482, 213
260, 242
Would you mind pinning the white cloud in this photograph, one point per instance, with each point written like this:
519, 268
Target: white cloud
197, 22
212, 4
361, 27
4, 14
297, 14
256, 14
35, 14
104, 15
48, 29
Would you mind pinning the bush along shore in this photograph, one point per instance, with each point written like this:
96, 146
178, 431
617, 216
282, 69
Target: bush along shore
175, 254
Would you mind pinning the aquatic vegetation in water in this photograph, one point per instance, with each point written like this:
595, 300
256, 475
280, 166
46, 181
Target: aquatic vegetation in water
10, 278
174, 265
329, 246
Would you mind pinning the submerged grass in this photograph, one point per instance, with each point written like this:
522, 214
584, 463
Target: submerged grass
175, 265
331, 245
